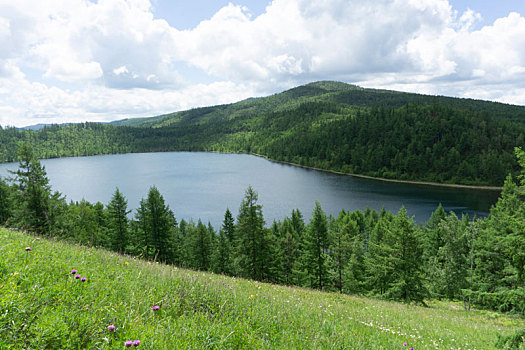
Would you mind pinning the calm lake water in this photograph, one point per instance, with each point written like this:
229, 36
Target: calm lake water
202, 185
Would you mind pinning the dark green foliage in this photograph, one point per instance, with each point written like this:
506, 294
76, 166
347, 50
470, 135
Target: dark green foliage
408, 274
316, 248
158, 222
515, 341
33, 193
510, 300
201, 248
452, 261
6, 205
118, 222
253, 254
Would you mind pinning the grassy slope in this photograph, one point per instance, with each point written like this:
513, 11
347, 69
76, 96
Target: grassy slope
43, 306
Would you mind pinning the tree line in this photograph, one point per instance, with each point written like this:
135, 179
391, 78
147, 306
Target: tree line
423, 142
478, 260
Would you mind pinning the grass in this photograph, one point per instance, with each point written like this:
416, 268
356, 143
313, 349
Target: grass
43, 306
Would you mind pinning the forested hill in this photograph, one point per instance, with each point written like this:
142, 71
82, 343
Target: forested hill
342, 94
326, 125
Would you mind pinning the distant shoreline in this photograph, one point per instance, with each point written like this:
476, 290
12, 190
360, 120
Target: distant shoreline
410, 182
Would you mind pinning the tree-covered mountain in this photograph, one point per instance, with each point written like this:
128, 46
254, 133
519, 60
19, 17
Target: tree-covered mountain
327, 125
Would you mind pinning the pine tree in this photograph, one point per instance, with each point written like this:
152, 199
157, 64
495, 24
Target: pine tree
252, 249
158, 223
140, 237
33, 192
406, 242
453, 257
316, 245
341, 231
201, 247
380, 259
118, 222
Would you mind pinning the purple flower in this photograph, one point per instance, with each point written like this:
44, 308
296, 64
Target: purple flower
155, 308
28, 249
111, 327
264, 297
83, 279
38, 238
77, 276
231, 288
128, 343
405, 344
136, 343
73, 272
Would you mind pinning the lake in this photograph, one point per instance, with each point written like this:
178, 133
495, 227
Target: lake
202, 185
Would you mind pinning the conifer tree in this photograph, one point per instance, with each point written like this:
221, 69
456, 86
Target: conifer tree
158, 225
342, 232
118, 222
201, 247
453, 257
316, 245
33, 192
380, 258
406, 242
252, 248
140, 236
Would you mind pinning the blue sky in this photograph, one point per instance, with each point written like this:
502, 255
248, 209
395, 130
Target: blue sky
186, 14
101, 60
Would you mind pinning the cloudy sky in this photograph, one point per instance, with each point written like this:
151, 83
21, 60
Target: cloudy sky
101, 60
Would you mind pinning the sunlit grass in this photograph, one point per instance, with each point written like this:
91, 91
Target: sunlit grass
43, 305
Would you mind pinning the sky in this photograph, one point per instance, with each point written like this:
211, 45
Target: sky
65, 61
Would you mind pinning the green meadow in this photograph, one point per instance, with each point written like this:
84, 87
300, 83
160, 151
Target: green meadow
43, 306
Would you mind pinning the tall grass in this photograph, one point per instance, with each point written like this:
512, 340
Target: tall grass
43, 306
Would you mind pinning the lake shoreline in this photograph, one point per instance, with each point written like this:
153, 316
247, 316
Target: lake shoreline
410, 182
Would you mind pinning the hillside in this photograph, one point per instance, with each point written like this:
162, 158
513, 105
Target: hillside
326, 125
323, 91
47, 307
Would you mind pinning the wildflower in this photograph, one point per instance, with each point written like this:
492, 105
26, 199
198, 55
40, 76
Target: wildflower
111, 327
264, 297
250, 297
136, 343
231, 288
128, 343
405, 344
83, 279
28, 249
73, 272
38, 238
125, 262
155, 308
77, 276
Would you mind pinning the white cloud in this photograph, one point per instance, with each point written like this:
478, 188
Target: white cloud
120, 70
83, 60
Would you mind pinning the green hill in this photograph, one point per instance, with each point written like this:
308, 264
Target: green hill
327, 125
323, 91
43, 306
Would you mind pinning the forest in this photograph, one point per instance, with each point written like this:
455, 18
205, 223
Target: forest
326, 125
480, 261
